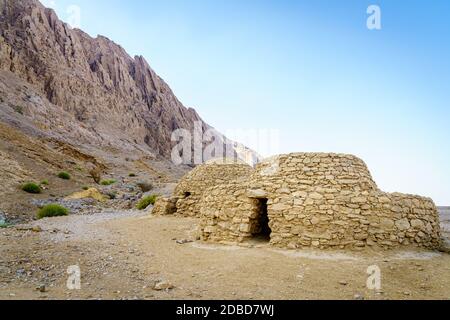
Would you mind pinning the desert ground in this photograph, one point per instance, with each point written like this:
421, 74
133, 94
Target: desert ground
134, 255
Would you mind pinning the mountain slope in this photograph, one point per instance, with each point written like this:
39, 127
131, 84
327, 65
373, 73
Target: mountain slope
85, 91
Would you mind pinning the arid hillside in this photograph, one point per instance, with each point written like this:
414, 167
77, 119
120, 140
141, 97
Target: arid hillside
70, 102
87, 91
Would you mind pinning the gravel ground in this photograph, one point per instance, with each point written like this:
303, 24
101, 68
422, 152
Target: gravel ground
132, 255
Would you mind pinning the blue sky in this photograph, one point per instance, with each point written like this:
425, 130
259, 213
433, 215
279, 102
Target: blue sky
309, 69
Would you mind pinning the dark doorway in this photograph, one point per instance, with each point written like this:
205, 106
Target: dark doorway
263, 230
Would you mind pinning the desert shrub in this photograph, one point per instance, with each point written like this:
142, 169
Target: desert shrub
52, 210
132, 175
108, 182
145, 187
64, 175
4, 224
31, 188
96, 175
146, 201
85, 188
45, 183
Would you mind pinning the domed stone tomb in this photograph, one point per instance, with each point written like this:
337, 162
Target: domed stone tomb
317, 200
301, 200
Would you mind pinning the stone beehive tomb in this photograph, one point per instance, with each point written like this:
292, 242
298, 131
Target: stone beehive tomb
306, 200
191, 188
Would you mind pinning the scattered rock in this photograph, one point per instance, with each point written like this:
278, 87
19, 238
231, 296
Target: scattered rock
163, 285
42, 288
145, 186
20, 272
184, 241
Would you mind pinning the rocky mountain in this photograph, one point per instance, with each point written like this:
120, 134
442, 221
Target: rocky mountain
62, 84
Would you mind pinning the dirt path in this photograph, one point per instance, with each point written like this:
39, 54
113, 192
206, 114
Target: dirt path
122, 255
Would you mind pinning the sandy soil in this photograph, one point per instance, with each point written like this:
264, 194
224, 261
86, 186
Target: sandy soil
122, 255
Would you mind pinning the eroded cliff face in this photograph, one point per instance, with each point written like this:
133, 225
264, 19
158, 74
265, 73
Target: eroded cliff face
84, 90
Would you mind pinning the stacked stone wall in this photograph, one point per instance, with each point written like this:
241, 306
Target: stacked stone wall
191, 188
318, 200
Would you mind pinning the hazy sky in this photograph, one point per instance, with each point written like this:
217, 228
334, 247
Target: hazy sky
310, 70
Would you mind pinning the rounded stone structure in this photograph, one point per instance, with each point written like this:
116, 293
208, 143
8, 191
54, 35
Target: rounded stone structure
320, 200
191, 188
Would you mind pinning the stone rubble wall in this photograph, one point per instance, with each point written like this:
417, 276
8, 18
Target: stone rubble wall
318, 200
191, 188
165, 206
230, 218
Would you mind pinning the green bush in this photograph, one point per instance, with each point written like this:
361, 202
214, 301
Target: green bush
108, 182
85, 188
64, 175
31, 188
44, 183
52, 210
146, 201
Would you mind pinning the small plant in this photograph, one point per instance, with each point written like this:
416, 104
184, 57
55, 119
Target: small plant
146, 201
108, 182
79, 168
64, 175
132, 175
44, 183
52, 210
85, 188
31, 188
112, 195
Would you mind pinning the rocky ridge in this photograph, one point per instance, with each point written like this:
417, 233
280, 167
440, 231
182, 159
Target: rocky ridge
60, 82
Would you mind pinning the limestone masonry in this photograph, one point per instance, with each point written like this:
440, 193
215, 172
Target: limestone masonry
190, 190
302, 200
